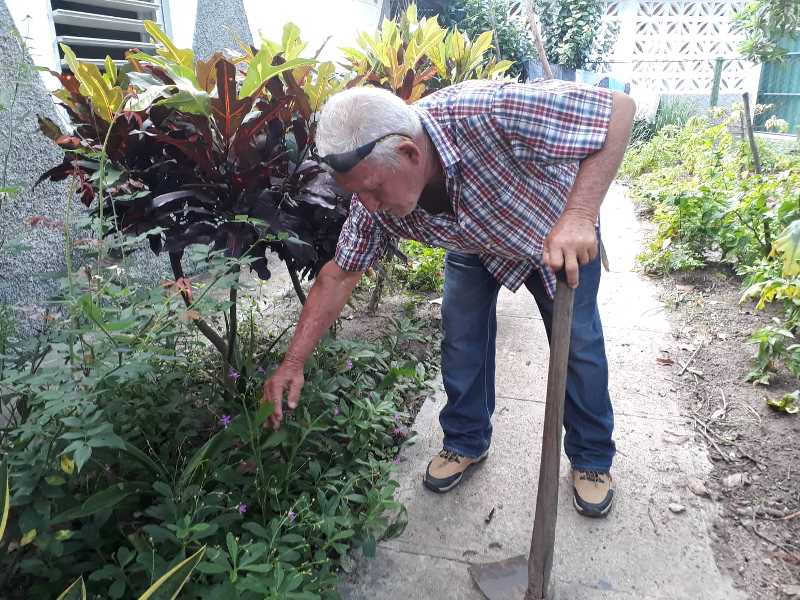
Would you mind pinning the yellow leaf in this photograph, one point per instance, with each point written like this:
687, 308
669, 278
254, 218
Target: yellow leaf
63, 534
106, 99
67, 464
5, 497
28, 538
77, 591
788, 244
170, 583
183, 57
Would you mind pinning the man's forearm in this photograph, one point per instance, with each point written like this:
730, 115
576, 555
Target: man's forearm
597, 171
325, 301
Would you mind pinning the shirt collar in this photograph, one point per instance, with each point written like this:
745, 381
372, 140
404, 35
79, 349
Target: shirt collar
448, 152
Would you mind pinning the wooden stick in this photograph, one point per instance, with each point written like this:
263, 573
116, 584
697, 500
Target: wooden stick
540, 560
691, 358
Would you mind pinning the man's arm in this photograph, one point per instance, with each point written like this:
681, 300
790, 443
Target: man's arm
572, 241
325, 301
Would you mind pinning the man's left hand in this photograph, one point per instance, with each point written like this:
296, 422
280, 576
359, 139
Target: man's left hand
571, 244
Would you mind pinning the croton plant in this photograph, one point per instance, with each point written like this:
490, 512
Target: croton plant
218, 151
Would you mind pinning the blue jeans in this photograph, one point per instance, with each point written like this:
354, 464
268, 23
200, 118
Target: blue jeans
469, 325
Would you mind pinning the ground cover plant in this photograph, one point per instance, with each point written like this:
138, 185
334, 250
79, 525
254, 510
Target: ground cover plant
712, 201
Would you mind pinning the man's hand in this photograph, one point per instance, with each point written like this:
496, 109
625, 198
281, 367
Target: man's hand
288, 378
571, 243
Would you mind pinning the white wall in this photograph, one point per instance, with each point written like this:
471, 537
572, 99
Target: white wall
32, 19
317, 19
181, 16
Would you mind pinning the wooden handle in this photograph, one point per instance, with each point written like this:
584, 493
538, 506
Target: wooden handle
540, 560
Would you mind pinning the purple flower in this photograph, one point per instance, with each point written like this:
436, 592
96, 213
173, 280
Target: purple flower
336, 410
233, 374
397, 459
225, 420
398, 417
401, 431
261, 371
242, 508
349, 364
292, 516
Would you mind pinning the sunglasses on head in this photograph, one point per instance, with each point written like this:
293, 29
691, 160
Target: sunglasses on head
342, 162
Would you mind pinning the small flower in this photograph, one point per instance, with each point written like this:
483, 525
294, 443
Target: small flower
292, 516
261, 371
398, 417
242, 508
401, 431
225, 420
233, 374
336, 410
397, 459
349, 364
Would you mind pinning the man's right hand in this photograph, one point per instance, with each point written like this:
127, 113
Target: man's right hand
287, 379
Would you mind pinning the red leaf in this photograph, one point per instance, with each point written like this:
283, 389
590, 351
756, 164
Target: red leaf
49, 128
228, 110
408, 85
300, 98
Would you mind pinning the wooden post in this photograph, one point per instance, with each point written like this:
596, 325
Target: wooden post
537, 40
717, 80
748, 124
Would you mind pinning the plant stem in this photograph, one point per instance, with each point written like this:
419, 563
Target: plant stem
298, 289
211, 335
232, 294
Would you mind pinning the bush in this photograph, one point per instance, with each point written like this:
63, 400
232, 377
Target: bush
698, 183
128, 452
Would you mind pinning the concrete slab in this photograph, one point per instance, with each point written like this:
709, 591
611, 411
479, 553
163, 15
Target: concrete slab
642, 550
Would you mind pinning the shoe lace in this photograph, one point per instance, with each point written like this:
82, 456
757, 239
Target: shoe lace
593, 476
450, 456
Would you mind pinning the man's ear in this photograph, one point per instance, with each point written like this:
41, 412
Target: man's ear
411, 151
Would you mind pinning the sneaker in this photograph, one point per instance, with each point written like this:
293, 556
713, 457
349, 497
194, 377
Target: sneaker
592, 492
446, 470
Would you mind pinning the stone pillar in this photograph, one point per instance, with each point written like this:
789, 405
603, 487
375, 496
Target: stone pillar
217, 24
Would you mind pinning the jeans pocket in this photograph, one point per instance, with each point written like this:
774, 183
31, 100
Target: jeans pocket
463, 259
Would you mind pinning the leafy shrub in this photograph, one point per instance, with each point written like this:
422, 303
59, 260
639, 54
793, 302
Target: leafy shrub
425, 269
708, 204
128, 453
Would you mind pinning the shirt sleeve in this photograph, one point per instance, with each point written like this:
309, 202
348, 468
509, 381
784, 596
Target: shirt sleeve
362, 242
552, 120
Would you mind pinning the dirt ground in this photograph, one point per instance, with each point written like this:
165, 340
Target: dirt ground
754, 449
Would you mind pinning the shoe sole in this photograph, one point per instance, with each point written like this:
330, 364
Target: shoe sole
442, 490
592, 514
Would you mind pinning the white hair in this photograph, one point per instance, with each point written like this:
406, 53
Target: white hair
357, 116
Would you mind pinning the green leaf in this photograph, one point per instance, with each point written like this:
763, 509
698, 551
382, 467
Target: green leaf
143, 100
261, 70
5, 497
184, 57
276, 438
789, 403
77, 591
103, 500
144, 460
788, 244
170, 584
82, 454
204, 455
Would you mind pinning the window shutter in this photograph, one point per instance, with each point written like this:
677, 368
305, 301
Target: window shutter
97, 28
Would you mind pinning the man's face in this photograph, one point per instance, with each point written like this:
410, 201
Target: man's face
394, 190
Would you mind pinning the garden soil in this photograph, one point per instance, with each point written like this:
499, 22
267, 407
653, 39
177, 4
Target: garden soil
755, 450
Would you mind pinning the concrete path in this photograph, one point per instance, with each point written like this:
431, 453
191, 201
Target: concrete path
642, 551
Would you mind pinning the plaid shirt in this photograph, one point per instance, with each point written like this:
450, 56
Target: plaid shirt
510, 153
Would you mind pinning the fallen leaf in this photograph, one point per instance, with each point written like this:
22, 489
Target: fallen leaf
735, 480
665, 361
687, 347
489, 518
697, 487
695, 372
685, 288
789, 403
437, 301
676, 508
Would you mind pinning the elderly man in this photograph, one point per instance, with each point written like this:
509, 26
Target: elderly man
509, 178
